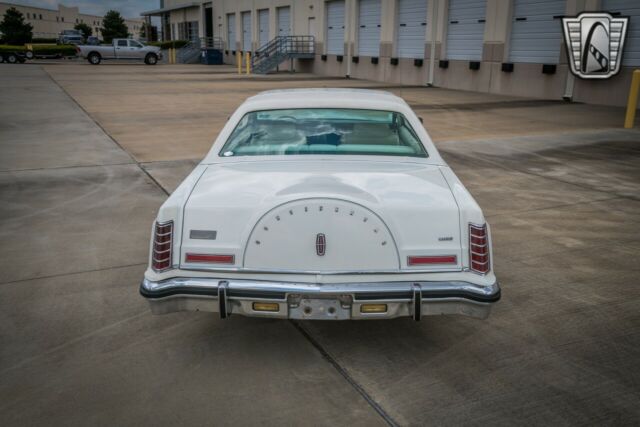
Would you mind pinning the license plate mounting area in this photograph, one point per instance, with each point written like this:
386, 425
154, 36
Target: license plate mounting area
335, 307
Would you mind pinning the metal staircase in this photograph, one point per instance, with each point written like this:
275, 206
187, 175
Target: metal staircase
189, 53
280, 49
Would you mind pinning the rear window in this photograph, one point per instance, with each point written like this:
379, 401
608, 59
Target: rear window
323, 131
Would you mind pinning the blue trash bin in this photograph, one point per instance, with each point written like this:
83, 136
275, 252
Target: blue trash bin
212, 57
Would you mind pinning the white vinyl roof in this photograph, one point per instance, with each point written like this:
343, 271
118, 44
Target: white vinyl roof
325, 98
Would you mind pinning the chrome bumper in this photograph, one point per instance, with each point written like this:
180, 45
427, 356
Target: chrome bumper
320, 301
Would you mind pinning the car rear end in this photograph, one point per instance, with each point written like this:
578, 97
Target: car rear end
360, 281
322, 238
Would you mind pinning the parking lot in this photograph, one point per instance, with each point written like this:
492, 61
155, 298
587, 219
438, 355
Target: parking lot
88, 154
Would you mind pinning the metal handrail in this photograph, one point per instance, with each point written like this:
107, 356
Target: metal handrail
281, 48
211, 43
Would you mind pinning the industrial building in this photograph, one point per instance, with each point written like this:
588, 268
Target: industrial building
49, 23
512, 47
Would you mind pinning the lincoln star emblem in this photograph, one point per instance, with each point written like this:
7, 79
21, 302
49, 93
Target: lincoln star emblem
595, 42
321, 244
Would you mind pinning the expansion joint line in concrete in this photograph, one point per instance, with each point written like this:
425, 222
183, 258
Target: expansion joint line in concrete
73, 273
164, 190
358, 388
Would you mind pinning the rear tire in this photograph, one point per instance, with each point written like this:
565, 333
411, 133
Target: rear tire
11, 58
29, 54
151, 59
1, 58
94, 58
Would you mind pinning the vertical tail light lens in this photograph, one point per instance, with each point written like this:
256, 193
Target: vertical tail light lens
479, 248
162, 246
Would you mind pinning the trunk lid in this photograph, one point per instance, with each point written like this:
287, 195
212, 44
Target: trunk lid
329, 216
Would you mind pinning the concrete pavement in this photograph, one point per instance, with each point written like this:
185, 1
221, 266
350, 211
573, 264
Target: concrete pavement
558, 183
77, 343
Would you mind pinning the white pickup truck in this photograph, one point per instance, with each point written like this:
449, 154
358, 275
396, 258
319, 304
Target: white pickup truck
127, 49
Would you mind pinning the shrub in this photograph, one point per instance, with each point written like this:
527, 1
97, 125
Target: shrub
64, 50
11, 48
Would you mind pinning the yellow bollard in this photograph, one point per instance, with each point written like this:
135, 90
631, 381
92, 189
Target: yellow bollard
239, 61
248, 63
632, 103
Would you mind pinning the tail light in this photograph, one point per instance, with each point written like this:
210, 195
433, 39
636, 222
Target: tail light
479, 248
162, 246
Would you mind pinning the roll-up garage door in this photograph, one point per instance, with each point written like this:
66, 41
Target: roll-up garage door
412, 28
630, 8
369, 27
231, 31
284, 21
465, 29
246, 31
263, 26
335, 27
536, 31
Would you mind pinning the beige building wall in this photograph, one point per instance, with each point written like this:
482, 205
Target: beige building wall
526, 79
48, 23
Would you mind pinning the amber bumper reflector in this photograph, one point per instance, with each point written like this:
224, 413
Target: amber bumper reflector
266, 306
373, 308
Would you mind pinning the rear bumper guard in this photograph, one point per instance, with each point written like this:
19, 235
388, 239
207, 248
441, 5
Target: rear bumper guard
320, 301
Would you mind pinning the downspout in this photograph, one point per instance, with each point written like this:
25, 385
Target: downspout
348, 28
571, 79
432, 49
292, 30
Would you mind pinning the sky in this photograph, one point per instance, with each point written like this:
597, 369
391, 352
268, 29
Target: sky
128, 9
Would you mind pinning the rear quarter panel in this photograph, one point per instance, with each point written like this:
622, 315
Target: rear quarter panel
470, 212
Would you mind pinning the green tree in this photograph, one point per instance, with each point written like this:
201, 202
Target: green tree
85, 29
14, 29
113, 27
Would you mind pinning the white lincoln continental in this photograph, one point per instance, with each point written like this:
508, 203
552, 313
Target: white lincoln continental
325, 204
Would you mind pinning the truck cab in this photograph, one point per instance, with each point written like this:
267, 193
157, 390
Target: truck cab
127, 48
